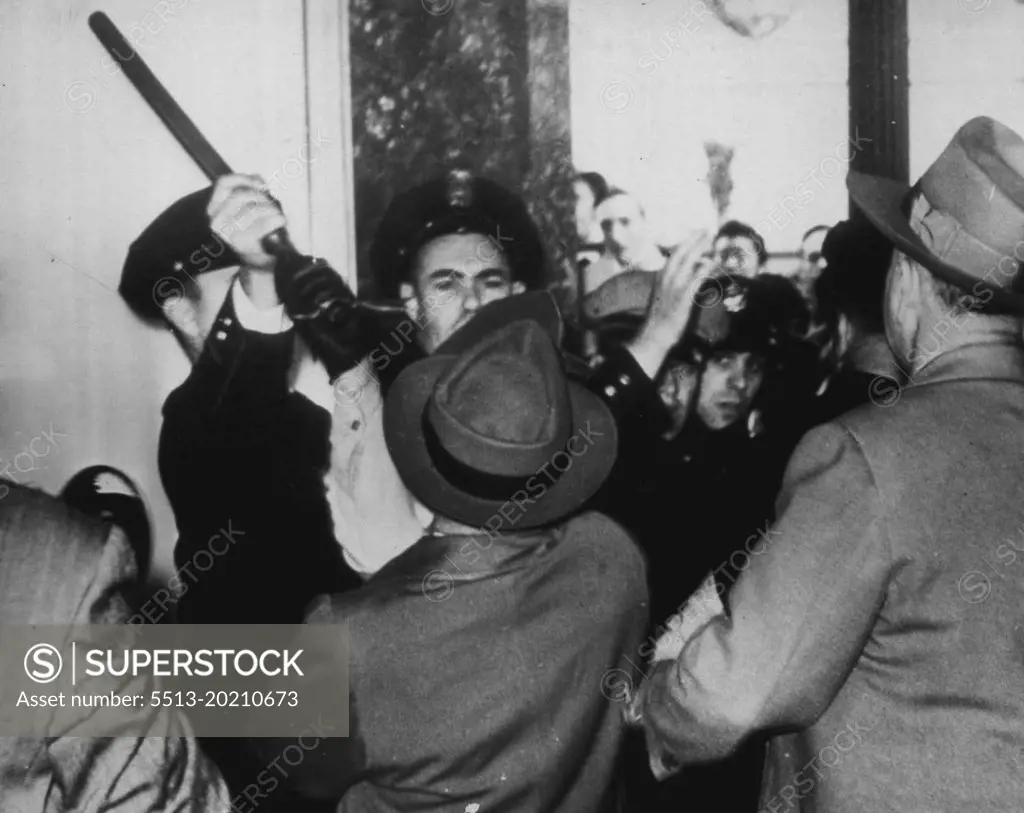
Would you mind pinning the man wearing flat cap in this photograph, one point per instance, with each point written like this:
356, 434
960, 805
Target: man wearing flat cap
878, 636
483, 657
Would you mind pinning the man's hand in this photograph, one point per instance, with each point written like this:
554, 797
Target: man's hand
242, 213
661, 762
672, 304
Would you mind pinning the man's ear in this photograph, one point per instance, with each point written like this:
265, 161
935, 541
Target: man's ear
409, 299
518, 288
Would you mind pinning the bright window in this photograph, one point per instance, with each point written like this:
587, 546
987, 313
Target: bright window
966, 60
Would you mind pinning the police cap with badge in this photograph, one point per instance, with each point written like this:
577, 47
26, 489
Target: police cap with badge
456, 203
765, 315
164, 261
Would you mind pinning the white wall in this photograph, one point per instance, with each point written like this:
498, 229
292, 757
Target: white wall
84, 167
781, 102
966, 60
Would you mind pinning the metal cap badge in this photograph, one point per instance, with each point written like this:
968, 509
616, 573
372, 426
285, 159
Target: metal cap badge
460, 189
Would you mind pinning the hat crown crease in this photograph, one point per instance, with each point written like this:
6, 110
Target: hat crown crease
976, 188
504, 408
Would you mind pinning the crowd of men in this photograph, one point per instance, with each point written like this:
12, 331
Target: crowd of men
666, 552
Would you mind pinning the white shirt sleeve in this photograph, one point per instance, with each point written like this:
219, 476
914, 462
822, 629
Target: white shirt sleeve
273, 320
701, 607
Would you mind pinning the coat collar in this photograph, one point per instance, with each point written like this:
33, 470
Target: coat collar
993, 360
437, 563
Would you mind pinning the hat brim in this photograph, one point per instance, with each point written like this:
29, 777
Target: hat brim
881, 200
627, 294
403, 413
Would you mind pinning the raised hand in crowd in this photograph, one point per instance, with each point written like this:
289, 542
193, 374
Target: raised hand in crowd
242, 212
675, 295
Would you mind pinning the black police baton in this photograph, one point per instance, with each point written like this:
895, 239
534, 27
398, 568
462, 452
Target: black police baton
174, 118
309, 294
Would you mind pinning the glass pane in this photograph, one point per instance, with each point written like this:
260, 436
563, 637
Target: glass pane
653, 82
966, 60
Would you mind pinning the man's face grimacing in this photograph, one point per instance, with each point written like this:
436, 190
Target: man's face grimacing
730, 383
737, 256
453, 276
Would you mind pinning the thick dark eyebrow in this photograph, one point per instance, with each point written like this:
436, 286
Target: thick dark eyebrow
440, 273
446, 273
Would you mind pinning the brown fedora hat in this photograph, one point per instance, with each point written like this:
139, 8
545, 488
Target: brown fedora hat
973, 225
470, 433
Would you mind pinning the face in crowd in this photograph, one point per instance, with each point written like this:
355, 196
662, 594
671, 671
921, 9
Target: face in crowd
454, 276
728, 387
737, 255
811, 259
623, 224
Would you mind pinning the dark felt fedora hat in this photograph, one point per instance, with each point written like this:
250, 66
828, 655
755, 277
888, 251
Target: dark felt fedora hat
472, 432
971, 213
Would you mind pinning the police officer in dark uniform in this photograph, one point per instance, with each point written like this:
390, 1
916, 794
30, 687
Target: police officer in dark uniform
242, 456
429, 230
447, 248
239, 453
696, 480
705, 465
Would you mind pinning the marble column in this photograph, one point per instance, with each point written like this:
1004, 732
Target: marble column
548, 183
479, 84
880, 88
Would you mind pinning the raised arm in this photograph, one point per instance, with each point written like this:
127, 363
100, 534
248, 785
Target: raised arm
672, 305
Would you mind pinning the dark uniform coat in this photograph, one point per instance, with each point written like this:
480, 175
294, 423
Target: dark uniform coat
240, 453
